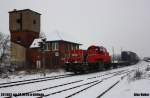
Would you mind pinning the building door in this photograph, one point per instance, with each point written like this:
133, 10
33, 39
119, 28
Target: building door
38, 64
55, 60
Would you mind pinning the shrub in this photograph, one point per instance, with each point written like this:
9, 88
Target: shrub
147, 68
138, 74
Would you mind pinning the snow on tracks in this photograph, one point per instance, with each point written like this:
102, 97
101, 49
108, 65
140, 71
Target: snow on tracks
16, 83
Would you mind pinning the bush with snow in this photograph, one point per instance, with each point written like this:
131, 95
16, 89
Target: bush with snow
147, 68
138, 74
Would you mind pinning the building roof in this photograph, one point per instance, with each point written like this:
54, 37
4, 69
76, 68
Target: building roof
63, 41
15, 10
35, 43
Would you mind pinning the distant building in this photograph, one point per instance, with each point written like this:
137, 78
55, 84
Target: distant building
24, 26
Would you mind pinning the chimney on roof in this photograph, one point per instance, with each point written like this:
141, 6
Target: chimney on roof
15, 9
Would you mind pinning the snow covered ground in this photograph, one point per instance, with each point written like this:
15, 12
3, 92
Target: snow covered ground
131, 87
88, 85
23, 76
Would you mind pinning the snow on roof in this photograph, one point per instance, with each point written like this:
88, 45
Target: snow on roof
55, 37
63, 41
35, 43
15, 10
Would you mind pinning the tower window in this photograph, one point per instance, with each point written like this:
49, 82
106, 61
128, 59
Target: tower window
18, 39
18, 20
34, 21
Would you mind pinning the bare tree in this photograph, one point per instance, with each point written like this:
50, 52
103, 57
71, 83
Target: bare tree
4, 51
42, 35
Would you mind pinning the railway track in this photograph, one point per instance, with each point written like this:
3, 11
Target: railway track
23, 82
84, 89
113, 85
91, 84
72, 88
78, 82
108, 89
97, 84
107, 74
64, 84
55, 86
16, 83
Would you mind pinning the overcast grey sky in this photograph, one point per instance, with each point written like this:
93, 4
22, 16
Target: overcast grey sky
112, 23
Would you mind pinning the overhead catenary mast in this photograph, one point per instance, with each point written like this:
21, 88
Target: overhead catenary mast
58, 34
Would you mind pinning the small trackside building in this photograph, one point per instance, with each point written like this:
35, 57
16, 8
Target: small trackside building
53, 56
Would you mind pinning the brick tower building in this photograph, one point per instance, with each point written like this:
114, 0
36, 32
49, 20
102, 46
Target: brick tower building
24, 26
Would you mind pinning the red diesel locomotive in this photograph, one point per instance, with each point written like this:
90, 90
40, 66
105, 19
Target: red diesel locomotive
95, 58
